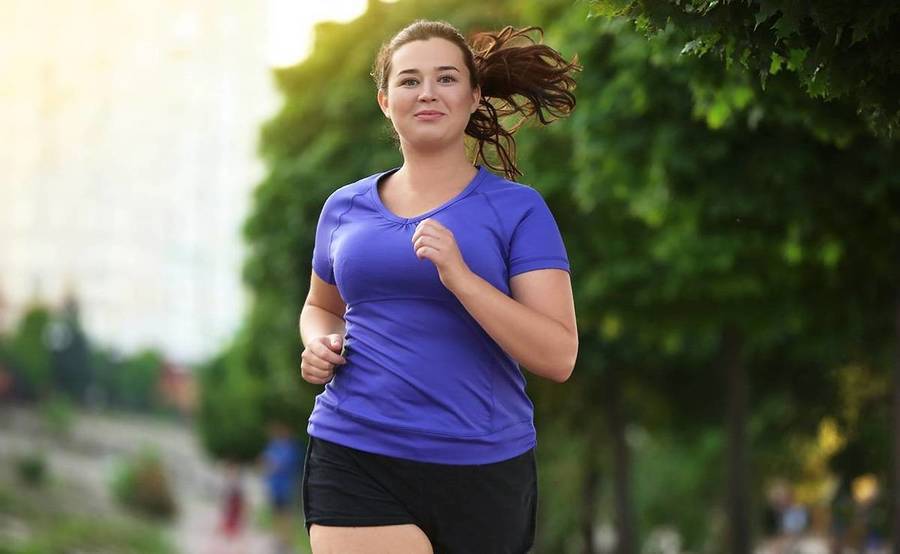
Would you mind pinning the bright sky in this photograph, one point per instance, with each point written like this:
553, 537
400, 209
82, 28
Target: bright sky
116, 113
291, 23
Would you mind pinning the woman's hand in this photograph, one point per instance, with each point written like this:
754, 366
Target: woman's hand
319, 358
435, 242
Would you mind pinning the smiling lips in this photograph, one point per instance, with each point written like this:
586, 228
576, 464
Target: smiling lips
428, 115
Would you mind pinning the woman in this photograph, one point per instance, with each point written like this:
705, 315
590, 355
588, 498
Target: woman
430, 283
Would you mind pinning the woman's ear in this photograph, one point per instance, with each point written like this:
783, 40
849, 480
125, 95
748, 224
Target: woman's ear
476, 95
383, 103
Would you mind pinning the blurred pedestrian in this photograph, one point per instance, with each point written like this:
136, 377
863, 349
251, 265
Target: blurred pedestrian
794, 517
283, 465
233, 502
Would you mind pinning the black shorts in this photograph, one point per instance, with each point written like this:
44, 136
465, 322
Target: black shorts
473, 509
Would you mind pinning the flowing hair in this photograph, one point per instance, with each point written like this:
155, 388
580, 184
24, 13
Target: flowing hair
528, 78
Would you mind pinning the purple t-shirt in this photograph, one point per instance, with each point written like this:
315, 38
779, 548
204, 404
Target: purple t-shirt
423, 380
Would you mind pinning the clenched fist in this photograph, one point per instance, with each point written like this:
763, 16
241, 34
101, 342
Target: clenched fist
319, 358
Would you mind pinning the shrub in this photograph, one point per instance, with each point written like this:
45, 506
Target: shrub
32, 469
141, 484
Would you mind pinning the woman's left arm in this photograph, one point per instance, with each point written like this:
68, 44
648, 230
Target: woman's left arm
536, 326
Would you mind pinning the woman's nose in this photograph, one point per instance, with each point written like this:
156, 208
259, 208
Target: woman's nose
427, 92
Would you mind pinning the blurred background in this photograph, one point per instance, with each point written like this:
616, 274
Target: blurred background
728, 189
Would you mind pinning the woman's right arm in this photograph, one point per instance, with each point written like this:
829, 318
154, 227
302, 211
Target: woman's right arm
316, 321
323, 311
322, 329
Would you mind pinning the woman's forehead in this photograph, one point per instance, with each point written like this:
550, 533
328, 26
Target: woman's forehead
427, 55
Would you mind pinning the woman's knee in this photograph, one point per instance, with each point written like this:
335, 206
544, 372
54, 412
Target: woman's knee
381, 539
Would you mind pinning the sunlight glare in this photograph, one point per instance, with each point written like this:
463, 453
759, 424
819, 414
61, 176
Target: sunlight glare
291, 26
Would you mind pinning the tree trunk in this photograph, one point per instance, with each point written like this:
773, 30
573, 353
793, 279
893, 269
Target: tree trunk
896, 423
625, 531
589, 496
738, 466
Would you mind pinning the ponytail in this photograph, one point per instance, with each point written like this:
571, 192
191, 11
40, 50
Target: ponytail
531, 80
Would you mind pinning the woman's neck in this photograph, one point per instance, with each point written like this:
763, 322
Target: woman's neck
430, 171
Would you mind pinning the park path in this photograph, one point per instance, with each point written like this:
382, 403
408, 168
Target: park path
97, 442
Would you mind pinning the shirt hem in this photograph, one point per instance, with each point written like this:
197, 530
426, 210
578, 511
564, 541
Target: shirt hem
333, 424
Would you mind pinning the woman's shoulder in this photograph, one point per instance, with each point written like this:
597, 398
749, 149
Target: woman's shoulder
354, 187
344, 194
510, 194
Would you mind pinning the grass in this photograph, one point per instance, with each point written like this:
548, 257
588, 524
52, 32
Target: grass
46, 520
262, 518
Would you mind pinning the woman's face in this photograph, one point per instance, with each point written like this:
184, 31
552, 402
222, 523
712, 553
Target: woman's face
429, 93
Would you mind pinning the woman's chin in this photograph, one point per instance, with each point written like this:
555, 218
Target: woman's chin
427, 141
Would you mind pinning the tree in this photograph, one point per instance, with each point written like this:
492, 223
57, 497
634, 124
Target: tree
30, 355
230, 419
838, 49
710, 238
73, 374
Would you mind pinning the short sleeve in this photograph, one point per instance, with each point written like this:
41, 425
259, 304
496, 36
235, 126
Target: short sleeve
321, 260
536, 242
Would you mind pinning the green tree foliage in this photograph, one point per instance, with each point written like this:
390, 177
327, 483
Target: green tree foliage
693, 200
29, 353
51, 358
72, 371
843, 52
230, 418
837, 48
136, 379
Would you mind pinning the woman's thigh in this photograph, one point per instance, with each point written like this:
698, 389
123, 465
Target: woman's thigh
380, 539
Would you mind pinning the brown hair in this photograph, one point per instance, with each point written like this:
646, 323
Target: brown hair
533, 71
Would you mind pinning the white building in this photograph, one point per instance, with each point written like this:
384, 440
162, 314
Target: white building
129, 153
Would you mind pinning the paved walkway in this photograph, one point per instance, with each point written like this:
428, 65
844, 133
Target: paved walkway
96, 443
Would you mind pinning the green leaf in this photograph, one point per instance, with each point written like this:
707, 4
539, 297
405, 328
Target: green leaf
766, 10
831, 253
702, 44
784, 28
777, 63
796, 57
792, 252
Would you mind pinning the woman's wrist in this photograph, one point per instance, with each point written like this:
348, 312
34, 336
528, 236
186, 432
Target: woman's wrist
462, 284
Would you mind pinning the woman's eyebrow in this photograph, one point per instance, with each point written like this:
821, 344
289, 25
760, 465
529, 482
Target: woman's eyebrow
437, 68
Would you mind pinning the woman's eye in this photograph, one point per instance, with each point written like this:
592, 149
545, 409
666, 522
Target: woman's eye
442, 78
